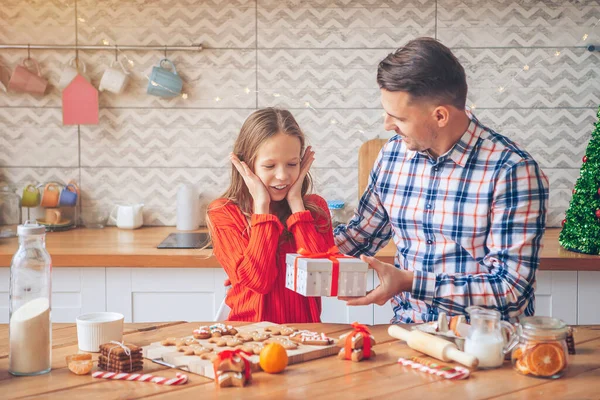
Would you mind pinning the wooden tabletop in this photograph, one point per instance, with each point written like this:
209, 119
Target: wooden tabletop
322, 378
113, 247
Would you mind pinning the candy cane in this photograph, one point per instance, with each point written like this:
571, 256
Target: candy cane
179, 379
452, 373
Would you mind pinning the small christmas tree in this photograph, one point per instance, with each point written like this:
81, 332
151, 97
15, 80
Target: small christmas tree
581, 227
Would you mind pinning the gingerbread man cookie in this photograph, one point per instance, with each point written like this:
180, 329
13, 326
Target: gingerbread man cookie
311, 338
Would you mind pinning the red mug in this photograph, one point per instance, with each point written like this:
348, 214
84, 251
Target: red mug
24, 80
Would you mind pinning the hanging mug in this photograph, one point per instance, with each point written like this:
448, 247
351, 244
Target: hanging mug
24, 80
68, 196
163, 82
114, 79
70, 72
4, 77
50, 195
31, 196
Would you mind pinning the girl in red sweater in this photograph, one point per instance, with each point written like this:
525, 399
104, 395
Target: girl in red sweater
265, 214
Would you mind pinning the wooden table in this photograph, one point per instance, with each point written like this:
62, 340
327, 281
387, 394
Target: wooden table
112, 247
323, 378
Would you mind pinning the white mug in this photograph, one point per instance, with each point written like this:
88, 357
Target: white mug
114, 80
69, 73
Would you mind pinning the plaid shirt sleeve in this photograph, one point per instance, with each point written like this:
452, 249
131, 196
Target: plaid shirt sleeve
369, 229
518, 219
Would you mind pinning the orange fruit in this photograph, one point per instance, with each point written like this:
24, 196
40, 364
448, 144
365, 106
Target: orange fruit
522, 368
273, 358
546, 359
79, 364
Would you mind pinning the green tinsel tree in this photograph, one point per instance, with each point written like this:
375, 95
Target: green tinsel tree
581, 227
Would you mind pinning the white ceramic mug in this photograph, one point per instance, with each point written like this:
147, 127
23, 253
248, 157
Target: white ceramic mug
114, 79
95, 329
69, 73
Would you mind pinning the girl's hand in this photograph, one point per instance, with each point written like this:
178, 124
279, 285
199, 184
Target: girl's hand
294, 196
257, 189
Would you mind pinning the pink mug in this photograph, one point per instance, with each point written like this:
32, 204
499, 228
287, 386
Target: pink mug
24, 80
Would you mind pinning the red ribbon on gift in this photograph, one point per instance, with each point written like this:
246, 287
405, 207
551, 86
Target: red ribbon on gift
333, 254
359, 330
228, 355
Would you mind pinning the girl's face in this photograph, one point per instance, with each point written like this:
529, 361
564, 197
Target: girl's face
277, 164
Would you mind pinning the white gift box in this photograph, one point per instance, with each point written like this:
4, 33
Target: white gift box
313, 277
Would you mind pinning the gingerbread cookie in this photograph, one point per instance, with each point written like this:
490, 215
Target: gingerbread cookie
357, 354
251, 347
357, 341
311, 338
284, 341
194, 349
169, 341
226, 379
244, 337
202, 333
185, 342
222, 330
282, 330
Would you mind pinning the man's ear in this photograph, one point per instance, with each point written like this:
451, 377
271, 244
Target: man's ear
441, 116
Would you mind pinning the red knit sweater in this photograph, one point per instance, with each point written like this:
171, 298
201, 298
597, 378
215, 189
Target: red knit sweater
254, 260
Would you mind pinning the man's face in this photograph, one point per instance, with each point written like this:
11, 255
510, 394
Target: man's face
413, 121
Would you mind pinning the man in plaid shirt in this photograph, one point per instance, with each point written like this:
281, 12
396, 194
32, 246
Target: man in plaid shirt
465, 206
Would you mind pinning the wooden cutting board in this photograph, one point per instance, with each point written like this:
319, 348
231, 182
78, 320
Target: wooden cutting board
367, 154
194, 364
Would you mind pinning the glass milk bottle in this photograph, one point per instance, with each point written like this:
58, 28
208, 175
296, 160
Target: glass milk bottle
485, 339
30, 329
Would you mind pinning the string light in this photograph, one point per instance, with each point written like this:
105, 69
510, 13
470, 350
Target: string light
333, 121
307, 104
526, 67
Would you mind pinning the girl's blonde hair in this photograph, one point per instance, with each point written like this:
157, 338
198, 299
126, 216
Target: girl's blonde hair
260, 126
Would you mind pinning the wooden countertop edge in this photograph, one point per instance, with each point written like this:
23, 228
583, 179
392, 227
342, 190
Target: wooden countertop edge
136, 249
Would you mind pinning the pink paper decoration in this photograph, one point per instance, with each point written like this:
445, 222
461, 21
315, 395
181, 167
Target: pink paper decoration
80, 103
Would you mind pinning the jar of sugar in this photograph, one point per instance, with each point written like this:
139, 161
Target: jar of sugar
30, 329
485, 339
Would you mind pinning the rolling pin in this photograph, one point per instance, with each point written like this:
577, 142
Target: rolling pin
433, 346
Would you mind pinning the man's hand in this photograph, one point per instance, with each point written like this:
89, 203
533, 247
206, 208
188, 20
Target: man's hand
391, 282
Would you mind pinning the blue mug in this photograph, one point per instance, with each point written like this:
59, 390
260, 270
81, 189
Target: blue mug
68, 196
163, 82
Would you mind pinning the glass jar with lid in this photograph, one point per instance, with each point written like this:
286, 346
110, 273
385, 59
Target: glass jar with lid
542, 348
30, 328
10, 211
336, 209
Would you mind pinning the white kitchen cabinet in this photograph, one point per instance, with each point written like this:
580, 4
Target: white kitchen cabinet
556, 295
75, 291
381, 314
336, 311
588, 298
165, 294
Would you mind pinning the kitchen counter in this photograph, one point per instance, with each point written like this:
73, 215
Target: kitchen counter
113, 247
327, 377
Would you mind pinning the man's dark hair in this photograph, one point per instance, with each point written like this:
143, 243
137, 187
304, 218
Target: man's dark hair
426, 69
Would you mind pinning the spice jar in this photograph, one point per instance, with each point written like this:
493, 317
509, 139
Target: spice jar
542, 348
336, 209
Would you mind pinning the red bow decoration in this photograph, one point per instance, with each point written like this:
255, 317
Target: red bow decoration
333, 254
229, 354
359, 329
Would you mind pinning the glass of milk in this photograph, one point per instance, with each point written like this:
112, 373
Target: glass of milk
30, 329
486, 340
